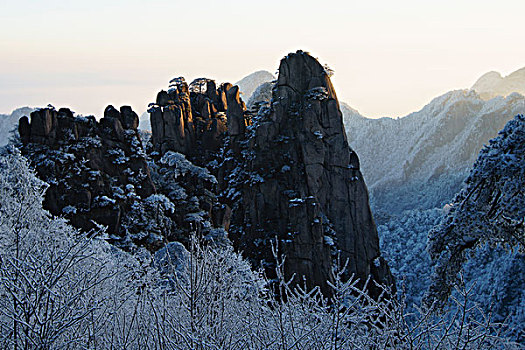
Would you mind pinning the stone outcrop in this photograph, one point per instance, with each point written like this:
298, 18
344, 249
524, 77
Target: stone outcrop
172, 120
192, 120
99, 174
94, 169
297, 180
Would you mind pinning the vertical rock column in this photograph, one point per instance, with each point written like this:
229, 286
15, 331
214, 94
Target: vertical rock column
301, 183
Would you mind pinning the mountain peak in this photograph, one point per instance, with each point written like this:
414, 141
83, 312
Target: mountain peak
300, 73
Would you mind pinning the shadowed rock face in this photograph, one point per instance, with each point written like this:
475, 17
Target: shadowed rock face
98, 172
297, 179
87, 163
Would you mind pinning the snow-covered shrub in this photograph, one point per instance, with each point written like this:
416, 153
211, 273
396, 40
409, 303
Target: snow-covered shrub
403, 241
317, 93
181, 166
213, 301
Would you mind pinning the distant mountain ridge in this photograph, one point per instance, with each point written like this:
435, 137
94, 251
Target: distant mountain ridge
442, 139
9, 121
249, 83
492, 84
144, 122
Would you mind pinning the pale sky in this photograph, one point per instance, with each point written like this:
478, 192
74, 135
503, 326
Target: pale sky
390, 57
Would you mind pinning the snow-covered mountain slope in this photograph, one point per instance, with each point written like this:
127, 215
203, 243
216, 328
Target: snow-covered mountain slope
9, 121
263, 93
144, 122
492, 84
248, 84
442, 138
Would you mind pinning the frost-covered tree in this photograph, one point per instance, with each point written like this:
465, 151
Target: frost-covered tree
403, 240
58, 288
207, 298
62, 289
190, 188
493, 275
490, 209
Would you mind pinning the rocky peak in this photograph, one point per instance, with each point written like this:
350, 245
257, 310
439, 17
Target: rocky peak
300, 76
297, 180
236, 112
172, 119
284, 178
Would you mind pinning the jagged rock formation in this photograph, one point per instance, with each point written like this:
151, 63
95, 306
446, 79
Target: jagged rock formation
172, 120
85, 162
99, 174
189, 119
294, 178
290, 174
192, 120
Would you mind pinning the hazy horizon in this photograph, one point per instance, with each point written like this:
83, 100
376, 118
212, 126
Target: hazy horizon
389, 59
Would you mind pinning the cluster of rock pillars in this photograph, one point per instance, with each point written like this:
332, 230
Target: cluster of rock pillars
285, 174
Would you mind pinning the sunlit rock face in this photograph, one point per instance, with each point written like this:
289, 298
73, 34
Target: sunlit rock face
189, 119
296, 184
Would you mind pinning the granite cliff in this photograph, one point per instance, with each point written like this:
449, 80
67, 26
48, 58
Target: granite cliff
293, 177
